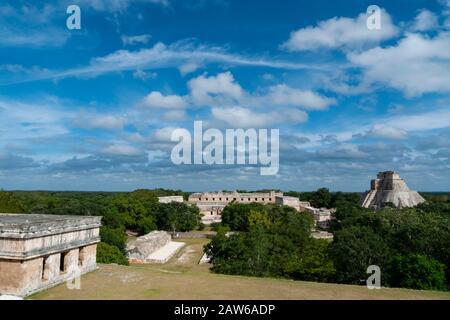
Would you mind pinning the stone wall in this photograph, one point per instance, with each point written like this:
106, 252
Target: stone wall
40, 251
25, 277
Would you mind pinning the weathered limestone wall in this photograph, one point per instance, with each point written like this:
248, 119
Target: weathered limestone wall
170, 199
34, 247
10, 276
22, 278
40, 251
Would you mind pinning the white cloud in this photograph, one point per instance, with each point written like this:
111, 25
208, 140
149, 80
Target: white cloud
416, 65
207, 90
30, 26
162, 56
388, 132
138, 39
163, 134
175, 115
437, 119
223, 90
46, 37
239, 117
340, 32
96, 121
121, 150
425, 20
28, 120
188, 68
157, 100
141, 74
115, 5
285, 96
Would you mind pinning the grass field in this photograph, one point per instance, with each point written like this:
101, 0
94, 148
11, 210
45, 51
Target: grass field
184, 278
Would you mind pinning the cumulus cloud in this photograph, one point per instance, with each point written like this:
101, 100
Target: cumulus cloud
425, 20
205, 90
121, 150
388, 132
188, 67
283, 95
223, 90
157, 100
163, 134
417, 64
174, 115
341, 32
239, 117
99, 121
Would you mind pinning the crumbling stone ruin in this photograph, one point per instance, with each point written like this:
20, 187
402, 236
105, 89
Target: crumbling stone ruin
388, 187
140, 249
40, 251
154, 247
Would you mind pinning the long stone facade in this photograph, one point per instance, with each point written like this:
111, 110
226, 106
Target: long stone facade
388, 187
41, 251
211, 204
170, 199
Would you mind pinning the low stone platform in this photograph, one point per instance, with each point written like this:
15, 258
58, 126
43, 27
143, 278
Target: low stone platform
154, 247
165, 253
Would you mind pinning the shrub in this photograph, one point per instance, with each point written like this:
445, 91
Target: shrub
107, 253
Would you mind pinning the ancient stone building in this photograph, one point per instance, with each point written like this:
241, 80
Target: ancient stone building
41, 251
211, 204
170, 199
293, 202
388, 187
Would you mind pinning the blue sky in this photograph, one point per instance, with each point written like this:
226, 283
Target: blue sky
93, 109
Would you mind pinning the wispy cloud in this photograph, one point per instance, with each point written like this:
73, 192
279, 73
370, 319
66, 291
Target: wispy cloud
163, 56
32, 26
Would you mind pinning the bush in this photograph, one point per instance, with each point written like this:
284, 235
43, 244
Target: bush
115, 237
107, 253
417, 271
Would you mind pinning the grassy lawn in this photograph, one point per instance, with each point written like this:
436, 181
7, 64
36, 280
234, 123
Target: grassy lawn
183, 278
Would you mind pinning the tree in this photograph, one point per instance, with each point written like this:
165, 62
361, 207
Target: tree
115, 237
354, 249
175, 216
9, 203
146, 225
235, 215
107, 253
321, 198
276, 241
417, 271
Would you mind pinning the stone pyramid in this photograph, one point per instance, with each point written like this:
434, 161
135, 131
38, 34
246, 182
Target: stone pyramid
390, 188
